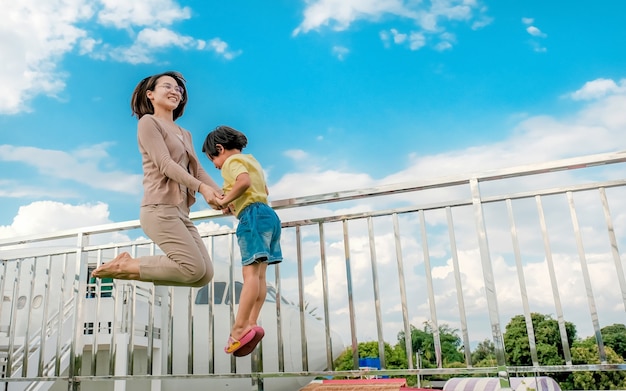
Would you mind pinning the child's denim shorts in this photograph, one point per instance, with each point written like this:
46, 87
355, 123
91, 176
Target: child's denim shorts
258, 234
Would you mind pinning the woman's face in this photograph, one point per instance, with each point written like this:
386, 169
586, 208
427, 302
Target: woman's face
167, 94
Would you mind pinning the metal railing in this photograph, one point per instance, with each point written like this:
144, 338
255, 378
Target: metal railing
469, 251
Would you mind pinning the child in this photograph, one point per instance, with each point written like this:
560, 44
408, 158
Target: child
258, 231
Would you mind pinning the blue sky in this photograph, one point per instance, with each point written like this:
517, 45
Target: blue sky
333, 94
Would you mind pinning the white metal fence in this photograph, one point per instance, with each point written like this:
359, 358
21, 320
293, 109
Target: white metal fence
469, 252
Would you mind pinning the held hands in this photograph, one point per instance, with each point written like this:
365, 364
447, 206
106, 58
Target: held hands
219, 205
214, 199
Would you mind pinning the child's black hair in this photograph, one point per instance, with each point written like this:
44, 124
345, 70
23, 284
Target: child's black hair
228, 137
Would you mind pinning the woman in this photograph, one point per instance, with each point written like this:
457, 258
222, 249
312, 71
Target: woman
171, 176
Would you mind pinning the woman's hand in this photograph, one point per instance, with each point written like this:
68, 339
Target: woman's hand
211, 196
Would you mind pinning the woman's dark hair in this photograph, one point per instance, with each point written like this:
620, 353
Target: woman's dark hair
141, 105
228, 137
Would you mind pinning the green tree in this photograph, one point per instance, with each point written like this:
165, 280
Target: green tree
395, 358
614, 336
423, 341
586, 352
547, 340
451, 346
484, 355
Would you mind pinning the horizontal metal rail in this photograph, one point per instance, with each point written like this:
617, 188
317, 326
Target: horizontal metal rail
468, 252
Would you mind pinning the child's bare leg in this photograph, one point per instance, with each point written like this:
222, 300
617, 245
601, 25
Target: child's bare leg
258, 304
122, 267
247, 300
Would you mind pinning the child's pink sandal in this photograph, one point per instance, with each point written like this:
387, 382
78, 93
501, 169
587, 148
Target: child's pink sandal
234, 345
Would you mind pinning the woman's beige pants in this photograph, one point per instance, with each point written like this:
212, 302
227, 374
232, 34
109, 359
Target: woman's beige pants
186, 261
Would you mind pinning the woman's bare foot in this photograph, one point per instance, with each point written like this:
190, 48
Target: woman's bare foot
122, 267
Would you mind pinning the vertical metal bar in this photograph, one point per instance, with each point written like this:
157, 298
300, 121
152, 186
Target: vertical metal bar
431, 292
190, 334
132, 318
14, 295
231, 285
303, 340
117, 314
354, 343
408, 338
3, 276
28, 310
553, 282
45, 326
530, 330
614, 249
256, 367
279, 323
61, 319
118, 302
151, 311
168, 322
379, 322
329, 346
459, 287
211, 310
490, 286
170, 331
97, 292
131, 305
79, 289
589, 290
256, 358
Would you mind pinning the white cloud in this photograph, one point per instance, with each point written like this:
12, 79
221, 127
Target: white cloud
123, 13
432, 18
417, 41
340, 52
25, 191
87, 45
316, 182
342, 13
83, 165
49, 216
482, 21
598, 88
221, 47
162, 38
537, 35
538, 48
35, 37
535, 32
441, 46
597, 127
398, 37
150, 42
297, 154
447, 39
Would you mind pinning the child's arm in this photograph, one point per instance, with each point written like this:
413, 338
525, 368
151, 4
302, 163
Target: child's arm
242, 183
